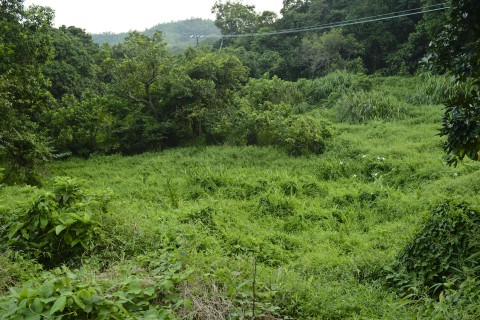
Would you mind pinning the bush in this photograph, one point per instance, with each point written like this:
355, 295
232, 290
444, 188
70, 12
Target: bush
298, 134
360, 107
443, 257
24, 155
58, 225
301, 135
15, 269
274, 91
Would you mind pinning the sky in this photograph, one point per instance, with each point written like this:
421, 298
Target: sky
97, 16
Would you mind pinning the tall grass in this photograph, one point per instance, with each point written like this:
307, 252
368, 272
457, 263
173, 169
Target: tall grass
317, 229
360, 107
325, 90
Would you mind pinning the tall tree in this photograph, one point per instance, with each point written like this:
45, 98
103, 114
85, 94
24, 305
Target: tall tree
25, 45
233, 17
209, 91
71, 70
143, 65
140, 68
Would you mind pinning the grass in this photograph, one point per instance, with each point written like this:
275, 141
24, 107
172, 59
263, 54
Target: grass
318, 229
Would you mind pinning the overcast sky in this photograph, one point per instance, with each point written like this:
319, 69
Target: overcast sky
96, 16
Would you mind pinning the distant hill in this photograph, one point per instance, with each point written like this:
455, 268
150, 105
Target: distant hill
177, 33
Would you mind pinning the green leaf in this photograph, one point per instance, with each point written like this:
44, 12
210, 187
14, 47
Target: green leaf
60, 228
79, 302
88, 308
37, 305
84, 245
59, 305
14, 229
48, 300
43, 221
85, 294
68, 238
149, 291
23, 294
25, 234
86, 218
75, 242
166, 284
134, 287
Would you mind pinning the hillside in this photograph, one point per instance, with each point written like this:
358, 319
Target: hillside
230, 231
177, 33
297, 173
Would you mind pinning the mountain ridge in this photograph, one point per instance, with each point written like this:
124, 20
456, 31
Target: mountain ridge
177, 33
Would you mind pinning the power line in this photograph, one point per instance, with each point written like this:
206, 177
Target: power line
390, 14
331, 25
381, 17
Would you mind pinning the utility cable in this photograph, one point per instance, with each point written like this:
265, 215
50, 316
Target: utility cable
417, 10
381, 17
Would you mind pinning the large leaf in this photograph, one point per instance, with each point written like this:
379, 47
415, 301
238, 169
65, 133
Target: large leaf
60, 228
59, 305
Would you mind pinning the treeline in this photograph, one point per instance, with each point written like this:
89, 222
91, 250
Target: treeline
390, 46
61, 94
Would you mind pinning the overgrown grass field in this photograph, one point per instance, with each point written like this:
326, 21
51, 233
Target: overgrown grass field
252, 231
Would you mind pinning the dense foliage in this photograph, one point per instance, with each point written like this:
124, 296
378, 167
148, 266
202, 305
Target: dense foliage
185, 229
63, 94
457, 50
24, 46
389, 46
305, 184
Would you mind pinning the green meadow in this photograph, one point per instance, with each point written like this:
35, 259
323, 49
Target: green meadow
251, 232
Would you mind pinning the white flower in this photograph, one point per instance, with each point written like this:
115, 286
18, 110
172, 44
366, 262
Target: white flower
354, 175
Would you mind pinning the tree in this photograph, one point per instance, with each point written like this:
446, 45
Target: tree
321, 54
71, 69
141, 67
234, 17
381, 39
457, 50
212, 82
25, 45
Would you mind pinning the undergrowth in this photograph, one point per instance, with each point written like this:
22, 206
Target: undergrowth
223, 232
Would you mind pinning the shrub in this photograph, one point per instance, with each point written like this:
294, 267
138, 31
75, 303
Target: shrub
442, 256
24, 155
15, 269
58, 224
274, 91
360, 107
301, 135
